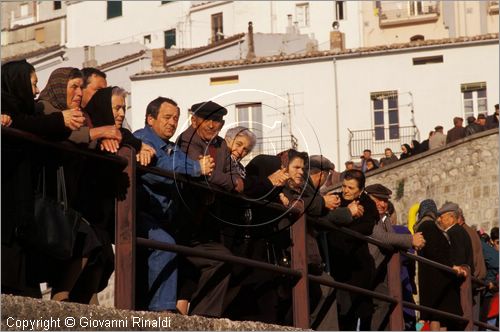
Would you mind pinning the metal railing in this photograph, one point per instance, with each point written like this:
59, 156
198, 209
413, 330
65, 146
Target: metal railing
126, 242
378, 139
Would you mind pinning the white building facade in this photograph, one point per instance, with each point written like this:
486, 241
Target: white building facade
188, 24
326, 100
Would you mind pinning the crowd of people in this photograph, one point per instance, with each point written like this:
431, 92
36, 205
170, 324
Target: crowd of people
78, 107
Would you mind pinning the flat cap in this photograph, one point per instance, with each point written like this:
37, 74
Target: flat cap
438, 127
209, 110
448, 207
481, 116
379, 191
321, 163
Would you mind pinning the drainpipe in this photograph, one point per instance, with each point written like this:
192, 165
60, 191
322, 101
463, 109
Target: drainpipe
337, 125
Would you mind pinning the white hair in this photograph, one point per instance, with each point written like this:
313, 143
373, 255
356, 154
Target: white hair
232, 133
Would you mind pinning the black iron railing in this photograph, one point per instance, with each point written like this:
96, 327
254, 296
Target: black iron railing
380, 138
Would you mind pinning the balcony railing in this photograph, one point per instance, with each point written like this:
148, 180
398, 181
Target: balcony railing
407, 12
378, 139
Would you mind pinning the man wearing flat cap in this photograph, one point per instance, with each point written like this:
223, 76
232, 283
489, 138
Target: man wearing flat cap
438, 139
461, 245
384, 232
457, 132
200, 229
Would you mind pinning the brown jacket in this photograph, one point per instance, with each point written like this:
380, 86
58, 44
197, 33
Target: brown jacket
477, 252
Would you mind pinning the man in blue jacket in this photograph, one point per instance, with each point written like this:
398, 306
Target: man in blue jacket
156, 206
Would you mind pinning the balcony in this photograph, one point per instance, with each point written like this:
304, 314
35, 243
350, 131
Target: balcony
493, 7
378, 140
398, 13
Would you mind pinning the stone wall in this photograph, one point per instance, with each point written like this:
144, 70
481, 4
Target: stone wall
465, 172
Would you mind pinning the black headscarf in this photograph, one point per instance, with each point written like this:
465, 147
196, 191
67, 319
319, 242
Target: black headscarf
407, 154
17, 94
100, 109
416, 147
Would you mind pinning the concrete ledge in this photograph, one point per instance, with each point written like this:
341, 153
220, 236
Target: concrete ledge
65, 316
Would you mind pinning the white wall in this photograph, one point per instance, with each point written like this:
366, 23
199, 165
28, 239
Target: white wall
193, 25
88, 25
435, 89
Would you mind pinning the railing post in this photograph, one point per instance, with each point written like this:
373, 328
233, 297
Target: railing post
125, 238
466, 300
300, 292
396, 321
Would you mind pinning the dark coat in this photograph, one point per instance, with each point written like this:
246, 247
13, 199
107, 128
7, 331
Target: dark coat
437, 289
350, 259
454, 134
473, 128
491, 121
461, 247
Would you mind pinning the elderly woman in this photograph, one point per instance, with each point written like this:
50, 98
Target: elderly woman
19, 88
240, 141
64, 92
107, 107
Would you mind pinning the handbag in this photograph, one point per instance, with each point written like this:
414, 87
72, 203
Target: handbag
54, 229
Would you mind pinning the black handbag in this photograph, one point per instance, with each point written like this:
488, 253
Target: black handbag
54, 229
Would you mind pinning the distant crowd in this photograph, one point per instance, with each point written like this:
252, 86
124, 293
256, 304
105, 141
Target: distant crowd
78, 108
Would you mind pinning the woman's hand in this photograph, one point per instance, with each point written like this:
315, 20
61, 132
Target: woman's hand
6, 120
110, 145
102, 132
73, 118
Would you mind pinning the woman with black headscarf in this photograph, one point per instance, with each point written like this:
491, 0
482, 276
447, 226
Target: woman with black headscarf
406, 152
64, 91
19, 88
19, 168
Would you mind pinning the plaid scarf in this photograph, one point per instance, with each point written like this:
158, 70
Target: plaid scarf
55, 92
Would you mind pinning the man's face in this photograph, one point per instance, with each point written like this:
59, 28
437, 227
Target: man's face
349, 166
166, 122
207, 129
319, 178
481, 121
95, 83
367, 154
388, 153
74, 93
296, 170
382, 205
460, 123
350, 189
446, 220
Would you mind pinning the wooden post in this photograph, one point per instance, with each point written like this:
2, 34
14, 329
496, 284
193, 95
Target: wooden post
300, 292
466, 300
396, 322
125, 238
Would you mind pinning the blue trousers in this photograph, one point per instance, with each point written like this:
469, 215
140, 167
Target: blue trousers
162, 266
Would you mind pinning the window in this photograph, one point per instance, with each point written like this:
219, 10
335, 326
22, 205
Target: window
340, 10
114, 9
475, 100
302, 14
250, 116
57, 5
169, 38
217, 30
427, 59
147, 39
24, 10
385, 115
40, 35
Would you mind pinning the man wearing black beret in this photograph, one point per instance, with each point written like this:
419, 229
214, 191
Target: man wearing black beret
384, 232
199, 228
